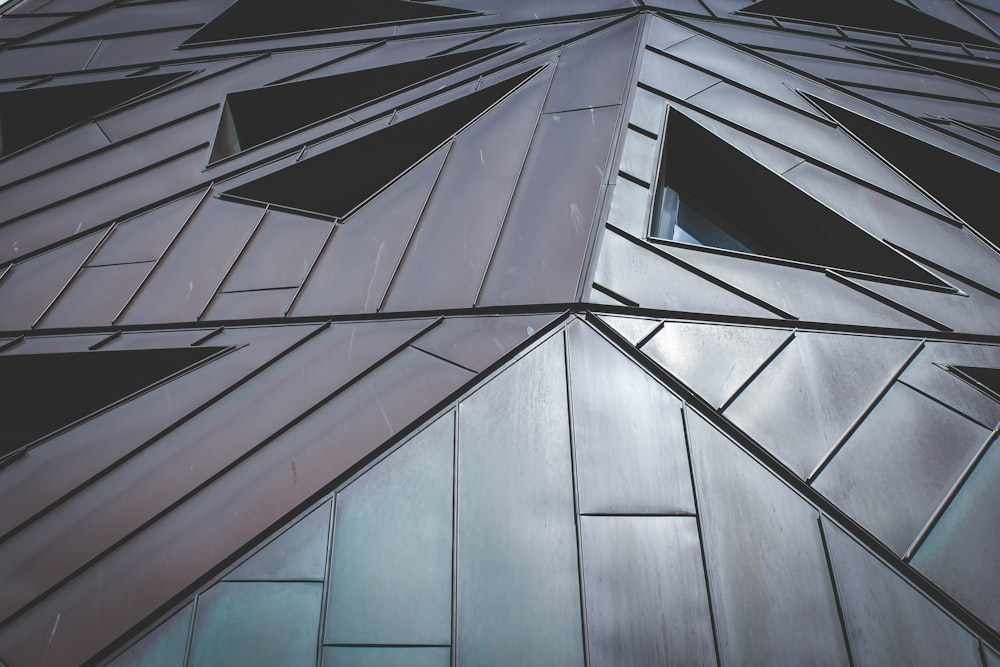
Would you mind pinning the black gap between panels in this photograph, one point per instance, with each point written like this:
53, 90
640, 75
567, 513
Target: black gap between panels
41, 393
711, 194
880, 15
968, 189
252, 117
28, 116
261, 18
339, 180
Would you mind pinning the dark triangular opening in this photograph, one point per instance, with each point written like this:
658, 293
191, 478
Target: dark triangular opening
337, 182
713, 195
965, 187
28, 116
984, 74
252, 117
42, 393
262, 18
987, 378
881, 15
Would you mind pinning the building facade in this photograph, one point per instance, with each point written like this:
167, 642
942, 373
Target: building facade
499, 332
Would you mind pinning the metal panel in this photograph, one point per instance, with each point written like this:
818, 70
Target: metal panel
646, 597
186, 278
477, 342
560, 184
96, 295
27, 289
451, 248
145, 237
927, 374
627, 433
671, 78
518, 583
715, 361
806, 399
959, 553
629, 207
592, 72
632, 329
258, 623
373, 656
280, 254
888, 622
253, 304
654, 282
767, 572
166, 646
353, 272
390, 567
297, 554
899, 465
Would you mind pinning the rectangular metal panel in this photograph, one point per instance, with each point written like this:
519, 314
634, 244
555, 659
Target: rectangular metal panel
560, 185
378, 656
593, 72
518, 581
280, 254
628, 434
646, 597
390, 566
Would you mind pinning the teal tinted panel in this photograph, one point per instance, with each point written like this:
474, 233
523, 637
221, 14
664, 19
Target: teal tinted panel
241, 624
391, 563
960, 554
297, 554
646, 597
888, 621
165, 646
630, 452
372, 656
518, 582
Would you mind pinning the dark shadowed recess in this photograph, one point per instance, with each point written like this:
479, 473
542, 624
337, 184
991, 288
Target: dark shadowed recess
42, 393
965, 187
338, 181
881, 15
980, 73
252, 117
260, 18
988, 378
713, 195
28, 116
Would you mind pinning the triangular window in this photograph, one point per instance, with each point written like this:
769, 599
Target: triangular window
983, 378
28, 116
42, 393
965, 187
880, 15
335, 183
262, 18
711, 194
252, 117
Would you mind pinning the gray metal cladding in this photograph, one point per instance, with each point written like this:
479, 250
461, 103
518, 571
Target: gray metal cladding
602, 332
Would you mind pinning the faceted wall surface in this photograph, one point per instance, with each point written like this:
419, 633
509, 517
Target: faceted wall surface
499, 332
